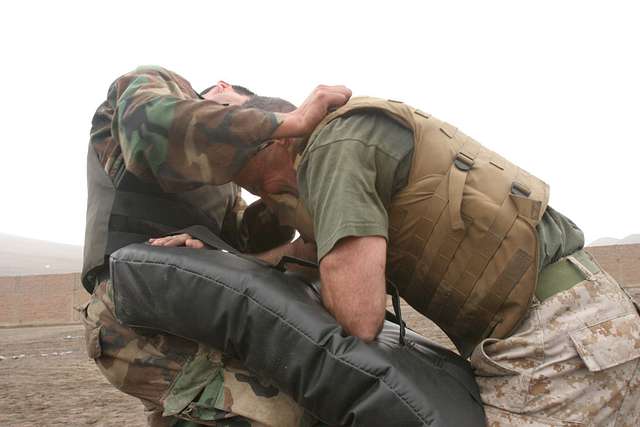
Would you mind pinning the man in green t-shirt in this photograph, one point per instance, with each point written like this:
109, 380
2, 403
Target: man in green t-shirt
574, 355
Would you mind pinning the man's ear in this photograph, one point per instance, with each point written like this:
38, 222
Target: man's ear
223, 85
293, 145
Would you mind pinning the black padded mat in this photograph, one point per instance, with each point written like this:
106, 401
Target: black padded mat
275, 325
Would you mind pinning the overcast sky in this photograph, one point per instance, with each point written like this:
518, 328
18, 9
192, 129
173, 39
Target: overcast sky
552, 85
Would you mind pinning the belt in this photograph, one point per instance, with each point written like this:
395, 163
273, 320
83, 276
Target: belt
564, 274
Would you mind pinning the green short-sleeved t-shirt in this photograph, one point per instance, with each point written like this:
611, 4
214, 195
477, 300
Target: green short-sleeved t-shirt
558, 237
355, 165
350, 172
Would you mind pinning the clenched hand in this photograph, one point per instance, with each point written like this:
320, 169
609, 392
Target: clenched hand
301, 121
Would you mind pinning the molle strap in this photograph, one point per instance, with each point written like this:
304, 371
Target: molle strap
494, 299
440, 235
502, 223
438, 303
478, 319
462, 164
491, 241
446, 253
423, 233
448, 130
429, 233
447, 241
436, 271
521, 189
442, 245
421, 114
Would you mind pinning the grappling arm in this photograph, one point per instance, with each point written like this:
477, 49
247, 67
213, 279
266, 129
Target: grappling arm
353, 284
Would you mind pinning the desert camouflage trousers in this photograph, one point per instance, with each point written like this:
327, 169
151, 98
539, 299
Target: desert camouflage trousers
181, 382
574, 361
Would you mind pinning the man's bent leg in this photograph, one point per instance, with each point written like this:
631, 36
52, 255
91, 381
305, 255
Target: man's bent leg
178, 379
573, 361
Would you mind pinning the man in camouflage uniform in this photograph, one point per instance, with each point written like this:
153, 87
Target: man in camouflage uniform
573, 358
161, 157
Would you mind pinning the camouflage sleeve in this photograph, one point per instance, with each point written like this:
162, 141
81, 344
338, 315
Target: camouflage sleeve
168, 134
232, 224
254, 228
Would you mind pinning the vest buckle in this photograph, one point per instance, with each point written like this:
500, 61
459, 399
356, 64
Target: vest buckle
519, 189
463, 162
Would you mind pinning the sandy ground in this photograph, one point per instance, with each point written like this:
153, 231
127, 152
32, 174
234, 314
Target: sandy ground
46, 379
55, 384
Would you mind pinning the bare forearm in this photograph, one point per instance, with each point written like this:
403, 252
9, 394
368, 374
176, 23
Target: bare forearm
273, 256
353, 284
297, 249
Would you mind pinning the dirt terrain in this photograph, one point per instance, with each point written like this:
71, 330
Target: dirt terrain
51, 382
46, 379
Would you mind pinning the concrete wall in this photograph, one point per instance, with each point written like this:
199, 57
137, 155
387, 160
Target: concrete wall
40, 300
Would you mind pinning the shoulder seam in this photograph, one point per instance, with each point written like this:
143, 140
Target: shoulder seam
365, 143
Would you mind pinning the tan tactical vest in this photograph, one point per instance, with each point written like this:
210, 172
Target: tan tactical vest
463, 248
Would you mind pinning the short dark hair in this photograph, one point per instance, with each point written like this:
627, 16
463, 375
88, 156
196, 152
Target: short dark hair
277, 105
239, 89
268, 103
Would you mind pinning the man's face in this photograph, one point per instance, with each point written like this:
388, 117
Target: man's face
223, 93
271, 171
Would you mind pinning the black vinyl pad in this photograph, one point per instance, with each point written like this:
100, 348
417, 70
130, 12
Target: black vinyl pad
274, 323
